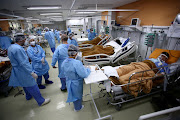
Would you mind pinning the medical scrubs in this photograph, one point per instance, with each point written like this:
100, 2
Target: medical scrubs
69, 30
49, 35
5, 42
74, 72
21, 73
60, 54
38, 32
91, 35
73, 42
57, 35
41, 69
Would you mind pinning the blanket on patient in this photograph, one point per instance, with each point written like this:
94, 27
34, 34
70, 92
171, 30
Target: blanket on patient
124, 73
98, 49
95, 41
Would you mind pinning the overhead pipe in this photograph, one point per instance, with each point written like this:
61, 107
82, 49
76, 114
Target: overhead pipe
10, 19
72, 5
9, 15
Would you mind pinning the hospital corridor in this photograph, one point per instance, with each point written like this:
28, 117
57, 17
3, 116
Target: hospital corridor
90, 60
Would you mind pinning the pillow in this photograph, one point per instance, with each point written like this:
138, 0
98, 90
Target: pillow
173, 54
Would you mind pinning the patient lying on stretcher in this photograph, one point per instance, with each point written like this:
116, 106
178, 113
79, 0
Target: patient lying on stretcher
95, 41
125, 72
99, 49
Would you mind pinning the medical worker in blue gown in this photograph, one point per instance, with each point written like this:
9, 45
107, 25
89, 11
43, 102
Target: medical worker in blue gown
49, 36
72, 41
91, 34
22, 74
38, 31
60, 54
74, 72
5, 42
57, 35
68, 30
39, 64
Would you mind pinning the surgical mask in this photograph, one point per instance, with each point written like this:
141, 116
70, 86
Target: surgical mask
33, 43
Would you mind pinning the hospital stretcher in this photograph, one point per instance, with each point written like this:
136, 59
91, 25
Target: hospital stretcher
119, 53
116, 96
102, 42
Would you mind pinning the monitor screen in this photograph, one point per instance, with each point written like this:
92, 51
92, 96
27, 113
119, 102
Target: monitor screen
134, 21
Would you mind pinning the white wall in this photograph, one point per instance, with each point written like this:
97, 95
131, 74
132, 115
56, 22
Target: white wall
60, 25
74, 22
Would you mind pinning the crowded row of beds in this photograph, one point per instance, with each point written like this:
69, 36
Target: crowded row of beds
133, 81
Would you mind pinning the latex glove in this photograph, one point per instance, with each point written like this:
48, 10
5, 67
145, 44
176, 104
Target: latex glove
34, 75
42, 60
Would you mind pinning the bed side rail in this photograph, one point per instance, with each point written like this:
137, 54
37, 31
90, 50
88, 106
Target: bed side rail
123, 48
84, 46
91, 58
105, 40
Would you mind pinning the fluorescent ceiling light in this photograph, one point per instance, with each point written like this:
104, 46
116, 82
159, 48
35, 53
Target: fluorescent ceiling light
51, 14
102, 10
54, 17
31, 19
85, 12
44, 8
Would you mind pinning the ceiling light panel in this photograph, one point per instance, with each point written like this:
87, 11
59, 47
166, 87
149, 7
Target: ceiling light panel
46, 14
54, 17
43, 7
86, 12
102, 10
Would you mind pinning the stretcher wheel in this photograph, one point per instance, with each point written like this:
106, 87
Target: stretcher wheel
118, 107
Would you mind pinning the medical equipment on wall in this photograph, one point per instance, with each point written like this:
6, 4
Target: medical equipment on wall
161, 35
135, 24
107, 30
149, 41
174, 30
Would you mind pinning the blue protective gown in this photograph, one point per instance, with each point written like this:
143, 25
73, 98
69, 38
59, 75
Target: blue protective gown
73, 42
157, 63
69, 30
91, 36
49, 35
38, 32
74, 72
22, 69
60, 54
5, 42
36, 54
57, 35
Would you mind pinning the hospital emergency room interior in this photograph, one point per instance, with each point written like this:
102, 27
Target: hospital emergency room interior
89, 60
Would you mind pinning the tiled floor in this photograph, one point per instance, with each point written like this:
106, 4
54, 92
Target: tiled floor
17, 108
